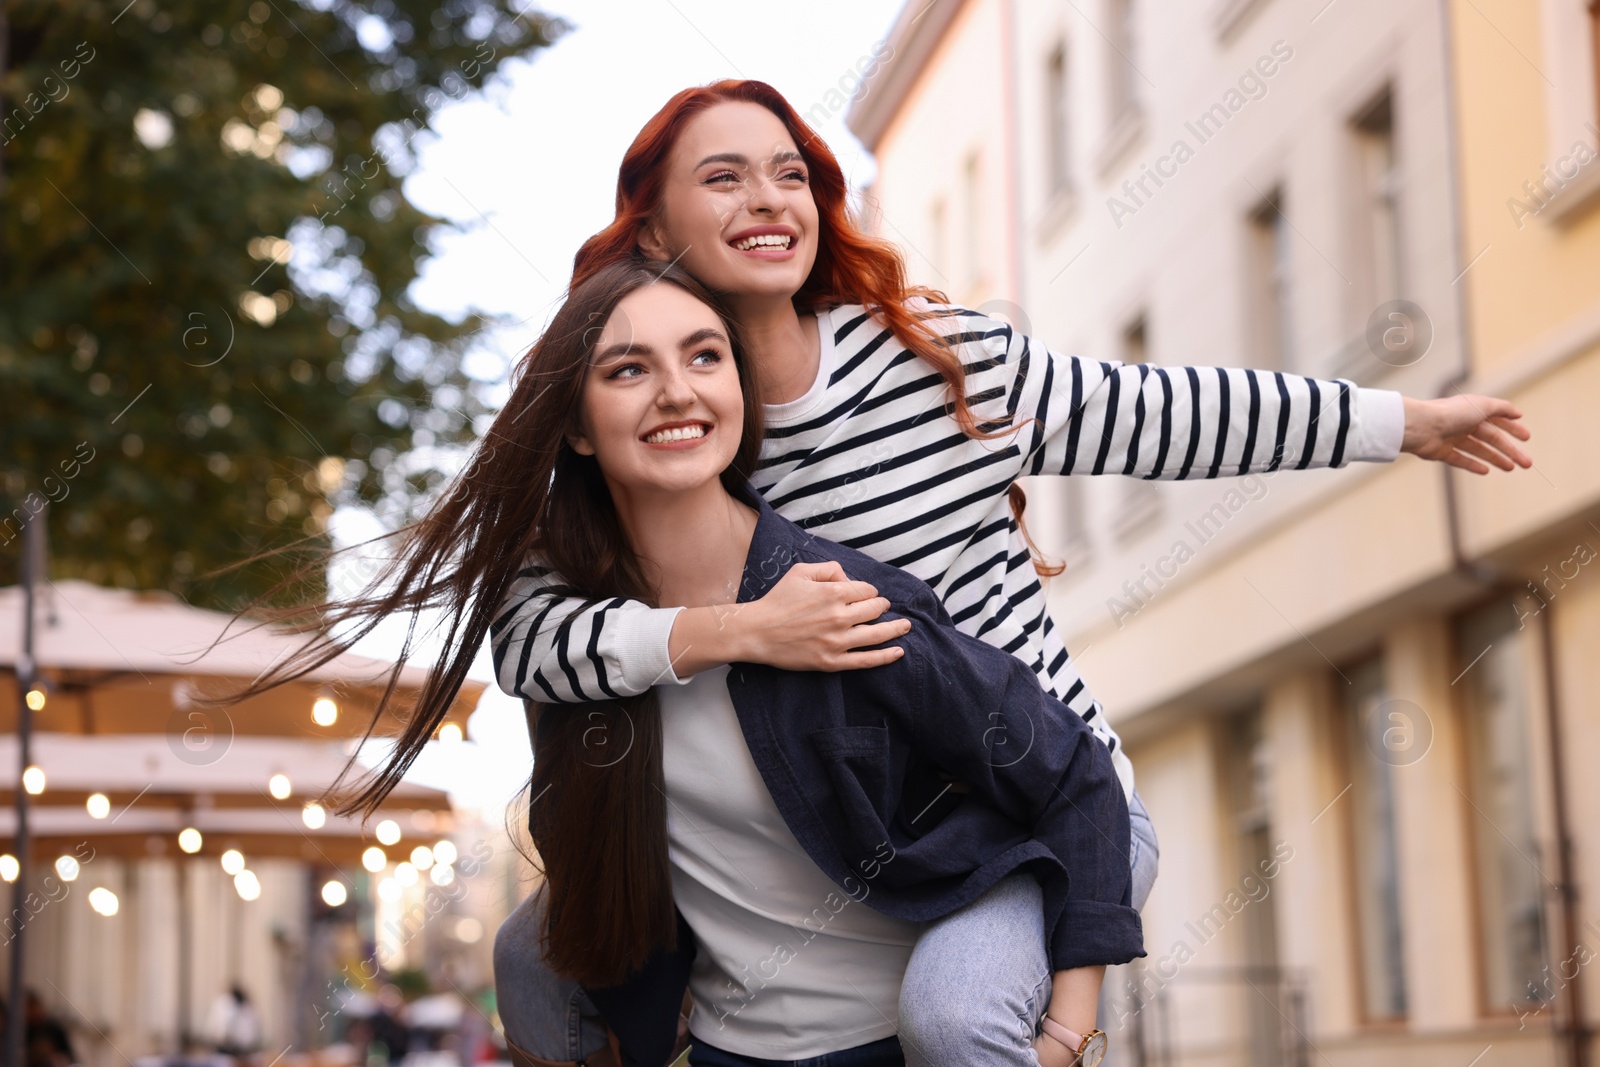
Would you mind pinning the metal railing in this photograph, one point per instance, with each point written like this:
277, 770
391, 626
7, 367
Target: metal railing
1206, 1017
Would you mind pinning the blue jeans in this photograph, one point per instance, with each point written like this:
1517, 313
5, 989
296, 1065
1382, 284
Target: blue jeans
977, 983
883, 1053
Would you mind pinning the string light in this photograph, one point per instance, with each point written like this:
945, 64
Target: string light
324, 712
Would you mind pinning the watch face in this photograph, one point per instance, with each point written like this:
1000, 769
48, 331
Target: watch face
1094, 1050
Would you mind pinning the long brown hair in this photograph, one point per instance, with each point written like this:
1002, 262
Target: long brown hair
852, 267
598, 810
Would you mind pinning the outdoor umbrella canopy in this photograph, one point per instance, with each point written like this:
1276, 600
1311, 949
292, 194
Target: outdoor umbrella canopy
154, 789
116, 661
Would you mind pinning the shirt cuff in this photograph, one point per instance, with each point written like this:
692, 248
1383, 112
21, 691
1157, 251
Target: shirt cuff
642, 654
1095, 933
1380, 425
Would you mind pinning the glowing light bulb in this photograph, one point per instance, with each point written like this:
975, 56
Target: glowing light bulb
374, 860
9, 867
450, 733
233, 861
388, 832
324, 712
67, 868
444, 852
334, 893
422, 857
99, 805
189, 840
314, 816
33, 780
36, 699
278, 786
248, 885
103, 901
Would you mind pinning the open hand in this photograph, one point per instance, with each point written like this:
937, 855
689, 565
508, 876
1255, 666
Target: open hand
1466, 431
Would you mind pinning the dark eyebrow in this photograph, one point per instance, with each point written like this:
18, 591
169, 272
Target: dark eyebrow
623, 348
723, 157
701, 335
638, 348
780, 156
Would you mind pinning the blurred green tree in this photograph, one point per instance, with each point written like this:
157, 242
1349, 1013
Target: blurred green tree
205, 251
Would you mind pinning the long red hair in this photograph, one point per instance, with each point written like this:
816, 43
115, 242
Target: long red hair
852, 267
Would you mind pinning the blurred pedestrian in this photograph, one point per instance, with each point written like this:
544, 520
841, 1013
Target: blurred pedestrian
232, 1026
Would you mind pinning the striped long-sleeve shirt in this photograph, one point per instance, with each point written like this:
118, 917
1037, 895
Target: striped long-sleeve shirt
871, 457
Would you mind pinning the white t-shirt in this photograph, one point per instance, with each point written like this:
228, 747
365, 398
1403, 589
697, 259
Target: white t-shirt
789, 965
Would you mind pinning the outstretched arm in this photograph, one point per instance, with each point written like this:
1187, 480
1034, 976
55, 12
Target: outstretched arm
558, 648
1082, 416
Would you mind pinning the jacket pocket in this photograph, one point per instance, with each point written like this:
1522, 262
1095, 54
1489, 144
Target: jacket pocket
857, 762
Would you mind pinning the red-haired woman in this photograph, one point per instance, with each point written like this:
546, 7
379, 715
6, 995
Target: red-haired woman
898, 424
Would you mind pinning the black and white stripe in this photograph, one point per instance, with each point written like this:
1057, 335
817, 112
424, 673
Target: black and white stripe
878, 464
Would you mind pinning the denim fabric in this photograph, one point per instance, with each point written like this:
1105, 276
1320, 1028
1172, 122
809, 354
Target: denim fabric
542, 1013
883, 1053
1145, 850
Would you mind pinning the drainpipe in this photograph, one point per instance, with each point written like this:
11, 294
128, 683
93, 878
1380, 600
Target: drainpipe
1572, 1029
1008, 53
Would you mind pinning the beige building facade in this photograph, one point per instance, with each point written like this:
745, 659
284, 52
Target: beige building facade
1361, 703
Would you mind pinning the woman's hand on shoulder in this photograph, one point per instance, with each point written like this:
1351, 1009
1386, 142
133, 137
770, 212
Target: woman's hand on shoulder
817, 619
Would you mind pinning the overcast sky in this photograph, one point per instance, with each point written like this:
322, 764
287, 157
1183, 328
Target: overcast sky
530, 172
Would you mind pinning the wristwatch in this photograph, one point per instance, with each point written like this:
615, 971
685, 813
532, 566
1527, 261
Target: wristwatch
1090, 1047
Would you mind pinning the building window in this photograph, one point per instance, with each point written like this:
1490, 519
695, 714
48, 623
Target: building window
1248, 780
1272, 296
1594, 52
1374, 841
1141, 500
1122, 61
1377, 229
940, 245
1058, 114
972, 245
1506, 854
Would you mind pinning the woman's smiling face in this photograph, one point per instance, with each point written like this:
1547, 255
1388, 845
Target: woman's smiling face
662, 408
736, 207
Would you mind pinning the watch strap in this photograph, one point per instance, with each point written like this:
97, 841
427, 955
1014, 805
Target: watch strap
1072, 1040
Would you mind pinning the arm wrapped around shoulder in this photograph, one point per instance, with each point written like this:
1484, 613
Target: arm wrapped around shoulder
982, 716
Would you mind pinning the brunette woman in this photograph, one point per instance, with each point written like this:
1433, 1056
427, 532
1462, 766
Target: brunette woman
813, 828
815, 831
897, 424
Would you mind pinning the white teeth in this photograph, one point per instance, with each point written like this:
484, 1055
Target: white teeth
678, 433
768, 240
